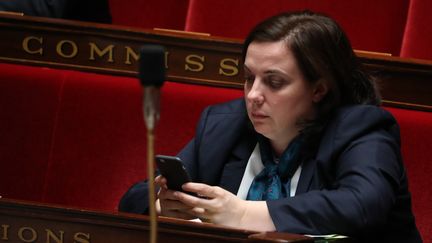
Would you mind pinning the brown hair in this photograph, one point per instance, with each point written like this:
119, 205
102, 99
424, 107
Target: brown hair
323, 52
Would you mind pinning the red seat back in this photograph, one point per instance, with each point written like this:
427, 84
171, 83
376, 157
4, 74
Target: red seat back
371, 25
418, 32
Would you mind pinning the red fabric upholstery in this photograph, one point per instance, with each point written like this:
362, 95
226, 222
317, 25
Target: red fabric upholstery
418, 33
399, 27
169, 14
416, 134
228, 18
101, 136
29, 100
370, 25
79, 139
182, 105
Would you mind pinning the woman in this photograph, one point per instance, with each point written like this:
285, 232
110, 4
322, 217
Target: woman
307, 151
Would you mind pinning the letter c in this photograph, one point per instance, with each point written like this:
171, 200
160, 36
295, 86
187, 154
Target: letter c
26, 41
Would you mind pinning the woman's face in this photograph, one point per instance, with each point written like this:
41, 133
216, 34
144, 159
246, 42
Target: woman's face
276, 93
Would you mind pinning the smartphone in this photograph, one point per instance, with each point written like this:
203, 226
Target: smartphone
172, 168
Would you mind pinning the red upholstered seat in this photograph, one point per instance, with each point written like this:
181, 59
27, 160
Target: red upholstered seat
416, 134
79, 139
228, 18
398, 27
29, 103
149, 14
99, 142
371, 25
418, 32
101, 136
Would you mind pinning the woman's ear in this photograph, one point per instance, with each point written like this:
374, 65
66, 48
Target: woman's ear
320, 90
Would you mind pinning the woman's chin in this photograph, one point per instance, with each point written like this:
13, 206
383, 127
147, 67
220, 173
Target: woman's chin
262, 129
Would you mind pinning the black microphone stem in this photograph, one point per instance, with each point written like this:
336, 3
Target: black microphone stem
152, 76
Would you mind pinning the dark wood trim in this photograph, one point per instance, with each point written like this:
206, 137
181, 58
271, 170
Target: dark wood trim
191, 58
25, 220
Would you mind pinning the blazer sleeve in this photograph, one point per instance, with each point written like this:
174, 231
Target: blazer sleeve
359, 173
204, 157
136, 199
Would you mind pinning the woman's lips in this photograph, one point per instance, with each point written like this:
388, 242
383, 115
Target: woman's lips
258, 116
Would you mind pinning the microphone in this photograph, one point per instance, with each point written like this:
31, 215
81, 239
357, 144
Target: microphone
151, 75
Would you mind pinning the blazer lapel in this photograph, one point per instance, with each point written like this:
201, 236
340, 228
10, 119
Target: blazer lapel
306, 176
236, 164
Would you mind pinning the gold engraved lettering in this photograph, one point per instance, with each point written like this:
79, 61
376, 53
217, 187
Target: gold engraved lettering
95, 49
5, 229
31, 236
229, 70
130, 52
81, 238
194, 65
72, 44
51, 236
25, 45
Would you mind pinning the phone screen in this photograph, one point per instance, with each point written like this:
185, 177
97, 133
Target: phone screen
173, 170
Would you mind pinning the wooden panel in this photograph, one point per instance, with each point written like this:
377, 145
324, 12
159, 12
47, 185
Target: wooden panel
405, 83
68, 44
190, 57
30, 222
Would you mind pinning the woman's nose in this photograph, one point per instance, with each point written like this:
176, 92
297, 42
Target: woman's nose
255, 94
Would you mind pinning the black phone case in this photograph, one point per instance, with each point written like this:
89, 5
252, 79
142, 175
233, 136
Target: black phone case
172, 169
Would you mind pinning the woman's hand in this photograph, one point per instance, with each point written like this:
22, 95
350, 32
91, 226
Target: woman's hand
219, 206
167, 204
213, 204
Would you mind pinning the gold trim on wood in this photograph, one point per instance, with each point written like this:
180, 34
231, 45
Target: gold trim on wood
30, 222
407, 105
190, 58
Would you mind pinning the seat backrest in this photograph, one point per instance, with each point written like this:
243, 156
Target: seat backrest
416, 139
371, 25
149, 14
29, 102
101, 136
418, 32
79, 139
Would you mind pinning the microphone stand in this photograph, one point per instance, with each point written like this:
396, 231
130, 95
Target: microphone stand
151, 116
152, 76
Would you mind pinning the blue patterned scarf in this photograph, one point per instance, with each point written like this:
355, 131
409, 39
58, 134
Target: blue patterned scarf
273, 182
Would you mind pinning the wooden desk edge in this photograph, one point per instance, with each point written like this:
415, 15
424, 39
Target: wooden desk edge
12, 209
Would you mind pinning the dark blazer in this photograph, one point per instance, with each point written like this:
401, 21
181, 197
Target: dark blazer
355, 185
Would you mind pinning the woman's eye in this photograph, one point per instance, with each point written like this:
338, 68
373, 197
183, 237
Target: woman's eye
275, 83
